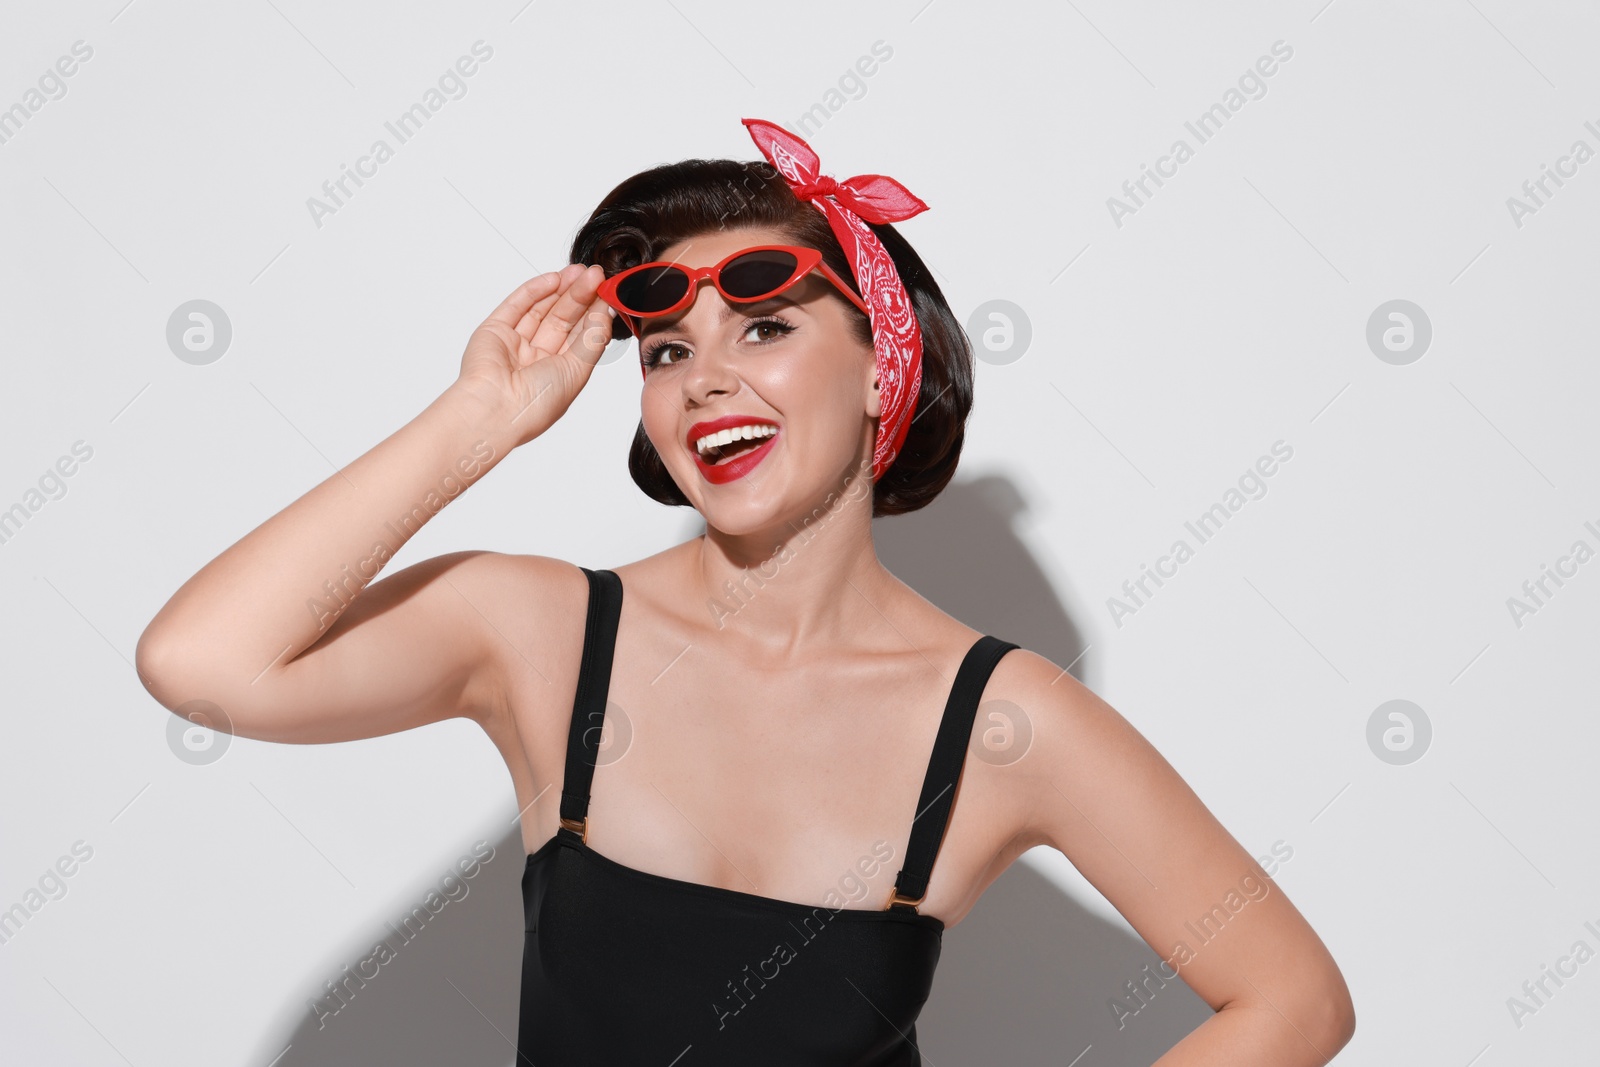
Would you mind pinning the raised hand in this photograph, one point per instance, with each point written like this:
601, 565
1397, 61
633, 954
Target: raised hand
532, 356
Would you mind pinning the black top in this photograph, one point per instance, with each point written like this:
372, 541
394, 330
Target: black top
624, 967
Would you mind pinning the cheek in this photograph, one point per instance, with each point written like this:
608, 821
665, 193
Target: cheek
819, 376
660, 422
829, 393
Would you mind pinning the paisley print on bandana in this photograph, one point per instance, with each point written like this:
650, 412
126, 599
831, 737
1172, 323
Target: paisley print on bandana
896, 337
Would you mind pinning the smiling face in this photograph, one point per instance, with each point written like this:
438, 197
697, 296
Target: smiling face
793, 363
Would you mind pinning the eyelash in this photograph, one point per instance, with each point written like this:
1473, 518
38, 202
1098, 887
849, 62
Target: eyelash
652, 355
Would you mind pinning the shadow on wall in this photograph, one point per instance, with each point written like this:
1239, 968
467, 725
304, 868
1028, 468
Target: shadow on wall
961, 552
447, 993
1028, 977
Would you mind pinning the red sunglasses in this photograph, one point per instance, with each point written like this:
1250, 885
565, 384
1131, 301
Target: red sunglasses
750, 274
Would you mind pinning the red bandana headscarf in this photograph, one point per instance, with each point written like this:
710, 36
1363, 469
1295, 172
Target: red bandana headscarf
896, 337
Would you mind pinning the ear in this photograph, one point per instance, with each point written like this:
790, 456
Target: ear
874, 400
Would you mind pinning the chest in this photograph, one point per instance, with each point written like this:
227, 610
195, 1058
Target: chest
798, 784
786, 783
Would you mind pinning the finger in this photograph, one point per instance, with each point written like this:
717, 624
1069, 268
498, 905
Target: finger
513, 307
541, 307
568, 310
587, 340
531, 319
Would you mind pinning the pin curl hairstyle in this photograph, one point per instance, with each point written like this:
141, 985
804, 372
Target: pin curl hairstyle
658, 208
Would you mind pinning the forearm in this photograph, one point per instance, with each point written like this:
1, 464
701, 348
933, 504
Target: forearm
274, 592
1256, 1035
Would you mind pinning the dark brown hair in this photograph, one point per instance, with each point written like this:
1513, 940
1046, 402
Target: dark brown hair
658, 208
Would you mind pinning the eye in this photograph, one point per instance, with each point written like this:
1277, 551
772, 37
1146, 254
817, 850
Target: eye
770, 322
652, 355
658, 353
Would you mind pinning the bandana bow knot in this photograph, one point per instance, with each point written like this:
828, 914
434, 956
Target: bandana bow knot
896, 337
823, 186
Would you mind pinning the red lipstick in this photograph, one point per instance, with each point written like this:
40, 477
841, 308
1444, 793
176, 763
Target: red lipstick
730, 470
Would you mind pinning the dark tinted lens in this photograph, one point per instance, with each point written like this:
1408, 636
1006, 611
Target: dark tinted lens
653, 290
757, 273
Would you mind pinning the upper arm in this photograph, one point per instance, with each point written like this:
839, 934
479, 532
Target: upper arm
1106, 799
433, 641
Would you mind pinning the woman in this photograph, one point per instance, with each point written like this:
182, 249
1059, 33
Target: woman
744, 872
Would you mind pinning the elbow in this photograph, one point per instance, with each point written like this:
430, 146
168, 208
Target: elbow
162, 671
155, 663
148, 661
1330, 1022
1344, 1021
1313, 1016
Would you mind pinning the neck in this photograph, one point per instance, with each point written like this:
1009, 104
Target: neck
814, 583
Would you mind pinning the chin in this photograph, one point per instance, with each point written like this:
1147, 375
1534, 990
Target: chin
746, 518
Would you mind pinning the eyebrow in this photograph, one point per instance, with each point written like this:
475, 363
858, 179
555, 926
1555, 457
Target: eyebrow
724, 313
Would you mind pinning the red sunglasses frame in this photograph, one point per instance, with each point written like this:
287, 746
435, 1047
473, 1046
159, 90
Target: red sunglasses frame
806, 261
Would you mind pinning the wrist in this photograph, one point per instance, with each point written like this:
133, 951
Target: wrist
482, 418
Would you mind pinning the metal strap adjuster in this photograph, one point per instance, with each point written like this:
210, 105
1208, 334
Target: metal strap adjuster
578, 826
898, 898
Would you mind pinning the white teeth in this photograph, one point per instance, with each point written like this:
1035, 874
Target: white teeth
737, 433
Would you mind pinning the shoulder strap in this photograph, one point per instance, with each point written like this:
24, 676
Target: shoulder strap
589, 706
944, 770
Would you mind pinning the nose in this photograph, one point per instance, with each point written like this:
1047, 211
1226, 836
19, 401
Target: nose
710, 369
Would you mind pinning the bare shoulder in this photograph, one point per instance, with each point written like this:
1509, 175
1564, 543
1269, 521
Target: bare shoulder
1054, 736
1039, 739
1016, 736
1038, 686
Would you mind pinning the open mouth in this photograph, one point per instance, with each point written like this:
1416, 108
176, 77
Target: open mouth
727, 446
724, 453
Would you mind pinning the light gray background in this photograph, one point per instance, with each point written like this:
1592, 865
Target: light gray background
1167, 354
